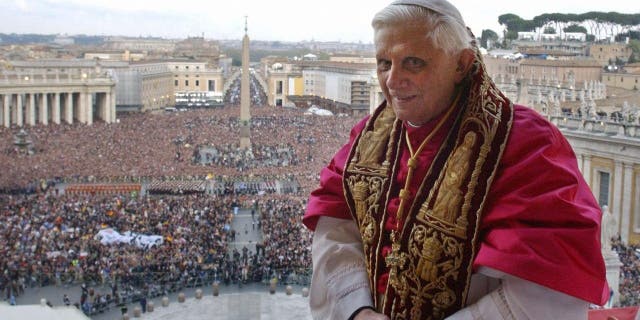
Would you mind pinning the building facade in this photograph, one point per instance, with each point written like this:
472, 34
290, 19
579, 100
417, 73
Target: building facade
576, 70
608, 155
629, 81
32, 99
580, 70
346, 83
283, 79
553, 43
54, 90
141, 44
140, 86
197, 76
607, 54
151, 85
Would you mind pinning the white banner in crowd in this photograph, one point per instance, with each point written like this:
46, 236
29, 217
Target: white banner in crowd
110, 236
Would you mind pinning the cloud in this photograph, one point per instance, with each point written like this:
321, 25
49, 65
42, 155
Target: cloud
22, 5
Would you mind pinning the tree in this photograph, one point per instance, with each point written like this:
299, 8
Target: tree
549, 30
488, 36
608, 24
513, 24
635, 51
575, 28
632, 35
507, 18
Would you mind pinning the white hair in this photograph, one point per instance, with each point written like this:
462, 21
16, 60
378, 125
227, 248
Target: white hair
446, 32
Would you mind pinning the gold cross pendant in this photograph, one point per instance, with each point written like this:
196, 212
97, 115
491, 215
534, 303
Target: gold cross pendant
395, 259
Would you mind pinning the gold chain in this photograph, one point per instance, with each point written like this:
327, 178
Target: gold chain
412, 163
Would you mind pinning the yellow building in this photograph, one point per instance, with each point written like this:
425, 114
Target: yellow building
155, 87
195, 76
580, 70
283, 80
577, 71
607, 54
629, 81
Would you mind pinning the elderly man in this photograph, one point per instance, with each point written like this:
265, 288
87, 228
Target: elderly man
449, 201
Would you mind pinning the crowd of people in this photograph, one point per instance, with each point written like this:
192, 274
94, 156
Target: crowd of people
143, 145
258, 96
50, 239
231, 155
629, 255
287, 249
49, 236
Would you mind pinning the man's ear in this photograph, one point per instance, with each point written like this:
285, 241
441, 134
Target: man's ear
465, 61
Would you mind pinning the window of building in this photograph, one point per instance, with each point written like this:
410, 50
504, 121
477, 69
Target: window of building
603, 188
278, 87
621, 79
186, 67
212, 85
175, 82
197, 83
186, 83
278, 102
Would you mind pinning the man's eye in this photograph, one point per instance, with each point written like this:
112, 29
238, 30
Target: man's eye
384, 65
414, 63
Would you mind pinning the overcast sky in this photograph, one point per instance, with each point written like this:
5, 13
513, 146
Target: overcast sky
285, 20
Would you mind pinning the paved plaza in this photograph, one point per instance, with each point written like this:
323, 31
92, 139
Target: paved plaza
234, 303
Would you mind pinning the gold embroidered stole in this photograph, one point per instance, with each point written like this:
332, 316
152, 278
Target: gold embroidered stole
430, 268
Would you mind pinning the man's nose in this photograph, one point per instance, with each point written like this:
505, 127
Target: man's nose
395, 77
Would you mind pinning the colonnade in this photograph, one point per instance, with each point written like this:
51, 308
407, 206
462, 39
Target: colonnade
31, 108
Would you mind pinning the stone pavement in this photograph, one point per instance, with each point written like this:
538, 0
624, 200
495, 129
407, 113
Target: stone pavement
248, 302
247, 231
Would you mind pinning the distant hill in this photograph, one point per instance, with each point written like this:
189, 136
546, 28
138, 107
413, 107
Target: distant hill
14, 38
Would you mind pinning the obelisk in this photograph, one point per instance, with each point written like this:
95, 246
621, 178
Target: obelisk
245, 94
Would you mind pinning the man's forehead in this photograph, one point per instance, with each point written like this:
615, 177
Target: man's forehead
394, 46
442, 7
415, 35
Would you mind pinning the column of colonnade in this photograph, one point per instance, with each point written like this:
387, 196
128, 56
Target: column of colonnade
55, 112
29, 109
88, 108
67, 108
112, 107
43, 105
6, 111
627, 200
103, 104
19, 118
